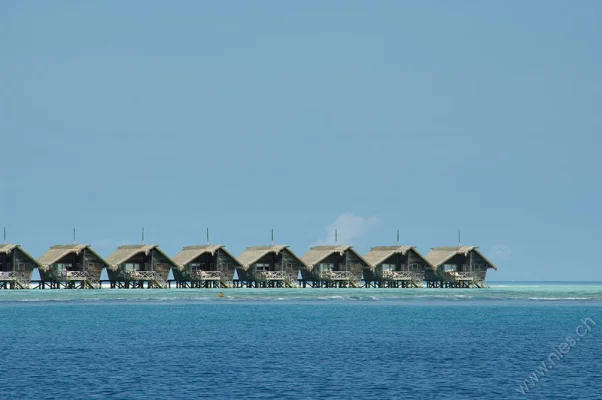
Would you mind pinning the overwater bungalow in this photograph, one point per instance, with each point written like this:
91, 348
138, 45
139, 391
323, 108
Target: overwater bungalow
139, 266
458, 266
397, 267
205, 266
333, 266
268, 266
16, 266
70, 266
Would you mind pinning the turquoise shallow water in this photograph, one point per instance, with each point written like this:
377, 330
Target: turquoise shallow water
501, 292
302, 344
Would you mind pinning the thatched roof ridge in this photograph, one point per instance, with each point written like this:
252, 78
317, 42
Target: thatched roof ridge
254, 253
318, 253
439, 255
379, 254
124, 253
55, 253
7, 248
189, 253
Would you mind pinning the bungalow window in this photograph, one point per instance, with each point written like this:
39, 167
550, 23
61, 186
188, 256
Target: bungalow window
129, 267
479, 267
63, 267
325, 267
449, 267
197, 267
388, 267
262, 267
416, 267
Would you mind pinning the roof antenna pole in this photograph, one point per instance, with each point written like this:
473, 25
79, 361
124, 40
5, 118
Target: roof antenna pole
458, 238
73, 235
272, 237
5, 235
336, 237
207, 235
398, 238
142, 235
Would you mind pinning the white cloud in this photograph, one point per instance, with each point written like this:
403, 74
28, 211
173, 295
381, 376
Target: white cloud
500, 252
350, 228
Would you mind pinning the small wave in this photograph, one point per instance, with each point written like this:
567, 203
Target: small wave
560, 298
329, 297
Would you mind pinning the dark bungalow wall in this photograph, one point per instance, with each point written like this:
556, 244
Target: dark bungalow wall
463, 264
291, 266
398, 259
355, 265
220, 261
245, 275
11, 261
477, 259
160, 264
86, 258
402, 263
93, 264
415, 258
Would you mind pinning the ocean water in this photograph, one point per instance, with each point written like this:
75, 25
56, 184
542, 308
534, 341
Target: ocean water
304, 343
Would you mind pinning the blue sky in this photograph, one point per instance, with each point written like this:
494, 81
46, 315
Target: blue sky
424, 116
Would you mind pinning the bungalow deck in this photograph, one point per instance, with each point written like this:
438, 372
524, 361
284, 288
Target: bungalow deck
205, 266
458, 267
139, 267
396, 267
16, 266
332, 267
71, 266
274, 266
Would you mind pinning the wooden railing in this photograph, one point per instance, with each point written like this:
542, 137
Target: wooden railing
152, 277
461, 276
74, 275
397, 275
85, 277
336, 275
9, 276
206, 275
18, 277
273, 276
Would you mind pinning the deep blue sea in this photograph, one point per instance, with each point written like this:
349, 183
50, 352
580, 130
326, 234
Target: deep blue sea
304, 343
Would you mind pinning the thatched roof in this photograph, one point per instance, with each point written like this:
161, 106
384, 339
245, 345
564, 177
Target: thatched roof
189, 253
379, 254
439, 255
252, 254
8, 248
124, 253
55, 253
318, 253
